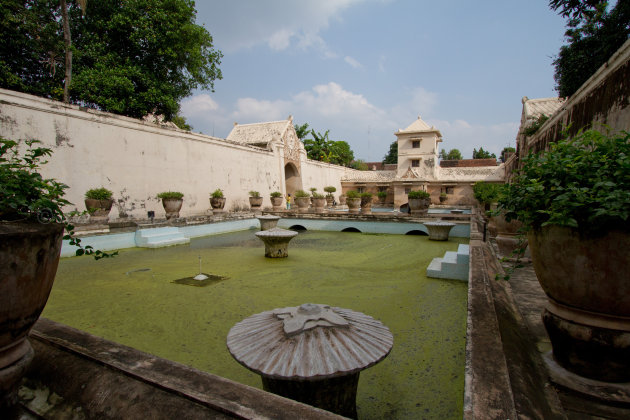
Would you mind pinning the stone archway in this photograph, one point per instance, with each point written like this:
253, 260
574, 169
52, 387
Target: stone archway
292, 178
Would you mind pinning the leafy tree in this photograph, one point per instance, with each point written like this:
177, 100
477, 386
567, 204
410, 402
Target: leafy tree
359, 164
594, 34
505, 151
482, 154
129, 57
301, 131
321, 148
453, 154
392, 155
180, 122
343, 154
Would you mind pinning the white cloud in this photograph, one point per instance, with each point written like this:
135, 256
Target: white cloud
250, 110
353, 62
198, 105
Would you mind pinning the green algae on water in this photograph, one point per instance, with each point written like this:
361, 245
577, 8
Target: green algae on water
132, 300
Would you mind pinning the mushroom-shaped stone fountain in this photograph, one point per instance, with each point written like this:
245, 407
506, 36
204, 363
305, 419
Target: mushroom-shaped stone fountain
438, 231
312, 353
276, 241
268, 221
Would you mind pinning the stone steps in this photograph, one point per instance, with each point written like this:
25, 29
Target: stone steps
160, 237
454, 265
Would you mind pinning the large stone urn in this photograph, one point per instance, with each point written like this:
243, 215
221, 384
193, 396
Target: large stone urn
506, 234
342, 200
217, 204
29, 254
587, 315
172, 206
255, 203
354, 205
419, 206
318, 204
98, 209
303, 204
277, 203
366, 204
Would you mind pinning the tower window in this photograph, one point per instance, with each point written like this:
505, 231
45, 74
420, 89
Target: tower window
415, 144
415, 163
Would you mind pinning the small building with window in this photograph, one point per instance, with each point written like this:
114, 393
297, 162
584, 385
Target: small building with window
419, 168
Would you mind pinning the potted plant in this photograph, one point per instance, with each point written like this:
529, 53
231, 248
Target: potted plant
443, 197
419, 202
353, 198
330, 198
319, 201
277, 200
574, 201
312, 190
31, 231
172, 202
366, 202
217, 201
342, 199
255, 200
382, 195
302, 199
98, 202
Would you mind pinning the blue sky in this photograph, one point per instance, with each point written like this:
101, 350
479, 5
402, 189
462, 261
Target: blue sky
365, 68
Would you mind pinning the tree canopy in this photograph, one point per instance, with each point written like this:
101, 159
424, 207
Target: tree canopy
392, 155
129, 57
483, 154
321, 148
453, 154
593, 33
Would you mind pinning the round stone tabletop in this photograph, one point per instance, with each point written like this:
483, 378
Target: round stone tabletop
268, 217
309, 342
276, 233
439, 223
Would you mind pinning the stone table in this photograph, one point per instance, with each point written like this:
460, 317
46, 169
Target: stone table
312, 353
438, 231
276, 241
268, 221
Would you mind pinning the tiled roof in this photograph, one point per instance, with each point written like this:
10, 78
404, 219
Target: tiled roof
369, 176
533, 108
258, 133
417, 125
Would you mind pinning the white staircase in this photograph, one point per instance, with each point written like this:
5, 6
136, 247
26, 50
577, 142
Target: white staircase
454, 265
159, 237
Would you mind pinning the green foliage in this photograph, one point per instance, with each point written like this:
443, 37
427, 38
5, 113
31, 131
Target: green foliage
359, 165
218, 193
453, 154
170, 195
276, 194
129, 57
418, 194
181, 123
98, 194
321, 148
317, 195
382, 195
505, 152
594, 34
366, 195
486, 193
301, 194
582, 183
330, 189
482, 154
353, 194
26, 195
254, 194
533, 127
301, 131
312, 189
392, 155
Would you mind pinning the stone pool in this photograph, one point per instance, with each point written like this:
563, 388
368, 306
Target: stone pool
133, 299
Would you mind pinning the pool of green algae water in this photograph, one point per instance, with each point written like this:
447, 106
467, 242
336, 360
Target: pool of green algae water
131, 299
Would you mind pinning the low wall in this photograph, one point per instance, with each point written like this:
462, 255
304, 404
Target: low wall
137, 159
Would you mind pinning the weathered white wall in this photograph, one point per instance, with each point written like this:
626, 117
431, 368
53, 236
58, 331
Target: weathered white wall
137, 160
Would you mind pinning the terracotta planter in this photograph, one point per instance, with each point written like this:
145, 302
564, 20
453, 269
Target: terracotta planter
354, 204
277, 203
419, 206
303, 203
366, 204
29, 254
99, 209
588, 311
172, 207
319, 204
255, 203
217, 204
